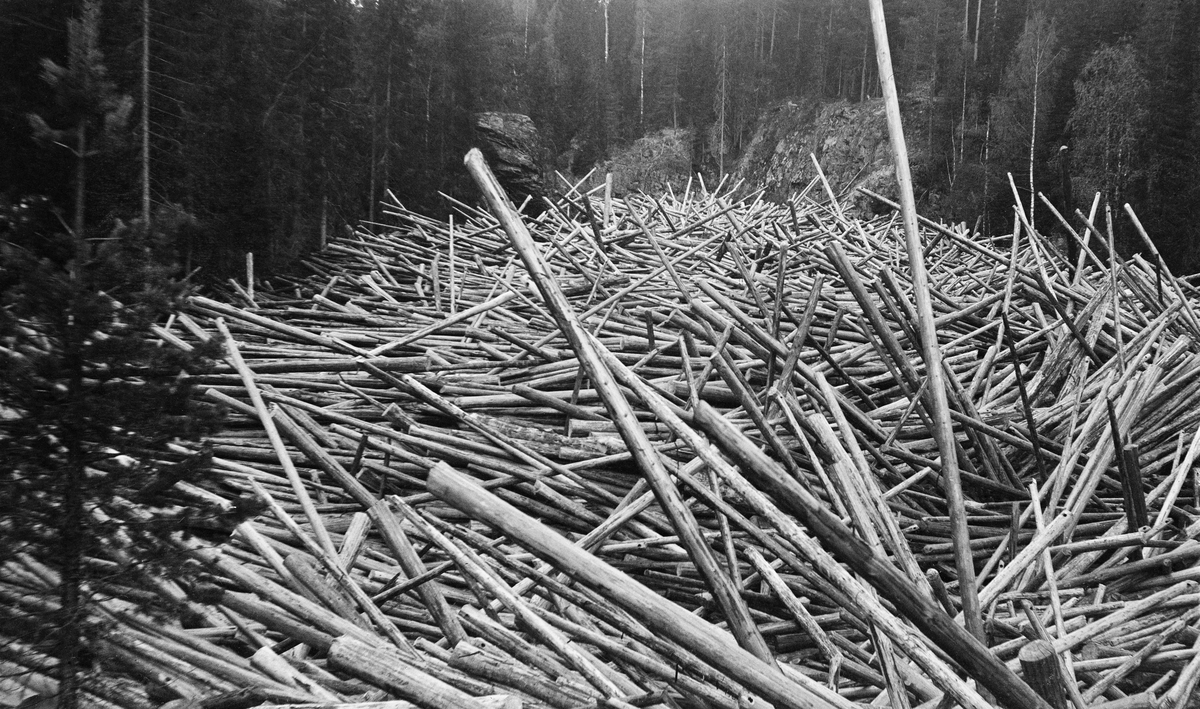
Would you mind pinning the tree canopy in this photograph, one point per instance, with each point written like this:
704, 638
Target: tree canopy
274, 121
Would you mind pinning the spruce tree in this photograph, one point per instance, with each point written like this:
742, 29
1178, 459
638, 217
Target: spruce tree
90, 111
91, 410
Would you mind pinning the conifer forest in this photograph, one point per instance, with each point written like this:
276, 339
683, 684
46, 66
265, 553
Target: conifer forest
268, 118
599, 354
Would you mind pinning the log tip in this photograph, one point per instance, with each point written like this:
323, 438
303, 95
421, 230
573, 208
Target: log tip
1036, 651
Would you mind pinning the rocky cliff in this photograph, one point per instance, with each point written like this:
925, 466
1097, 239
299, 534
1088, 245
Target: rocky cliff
849, 140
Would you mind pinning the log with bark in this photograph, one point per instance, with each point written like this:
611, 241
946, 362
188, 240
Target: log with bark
682, 457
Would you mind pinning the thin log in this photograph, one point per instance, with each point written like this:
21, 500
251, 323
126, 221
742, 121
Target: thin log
930, 351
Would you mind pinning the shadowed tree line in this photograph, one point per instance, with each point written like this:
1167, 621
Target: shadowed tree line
273, 122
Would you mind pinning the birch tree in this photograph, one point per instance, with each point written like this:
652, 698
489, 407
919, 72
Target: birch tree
1109, 122
1020, 108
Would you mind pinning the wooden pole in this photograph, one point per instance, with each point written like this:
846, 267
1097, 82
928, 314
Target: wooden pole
940, 411
643, 451
250, 275
659, 615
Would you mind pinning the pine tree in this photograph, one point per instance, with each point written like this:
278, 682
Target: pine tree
90, 409
89, 404
92, 114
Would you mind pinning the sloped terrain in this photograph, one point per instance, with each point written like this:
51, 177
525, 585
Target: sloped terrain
848, 140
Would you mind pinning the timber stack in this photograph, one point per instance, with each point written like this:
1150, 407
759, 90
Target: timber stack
675, 451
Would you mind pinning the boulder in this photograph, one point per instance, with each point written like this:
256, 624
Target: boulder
513, 149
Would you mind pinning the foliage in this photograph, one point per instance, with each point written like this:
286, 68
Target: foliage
1021, 107
90, 407
275, 121
90, 410
1108, 122
90, 109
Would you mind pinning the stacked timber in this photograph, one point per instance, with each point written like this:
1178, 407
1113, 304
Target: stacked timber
675, 451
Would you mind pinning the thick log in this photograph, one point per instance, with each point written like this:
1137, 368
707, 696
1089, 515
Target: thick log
655, 612
620, 411
1041, 669
389, 670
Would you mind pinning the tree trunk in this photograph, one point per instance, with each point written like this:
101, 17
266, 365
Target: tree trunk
374, 162
862, 82
71, 532
642, 79
938, 406
387, 123
995, 21
605, 2
80, 178
966, 21
987, 158
70, 597
978, 12
721, 97
324, 219
774, 16
146, 114
962, 123
1033, 132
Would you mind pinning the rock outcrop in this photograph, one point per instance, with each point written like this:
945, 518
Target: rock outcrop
850, 140
513, 149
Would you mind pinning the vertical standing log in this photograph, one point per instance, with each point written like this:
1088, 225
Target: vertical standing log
1039, 664
608, 184
1132, 483
250, 275
931, 353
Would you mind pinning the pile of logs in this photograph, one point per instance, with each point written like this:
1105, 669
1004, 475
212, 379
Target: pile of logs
675, 452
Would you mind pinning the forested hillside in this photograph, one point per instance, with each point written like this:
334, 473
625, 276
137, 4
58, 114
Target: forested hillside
273, 120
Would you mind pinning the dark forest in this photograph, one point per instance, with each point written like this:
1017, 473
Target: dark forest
270, 120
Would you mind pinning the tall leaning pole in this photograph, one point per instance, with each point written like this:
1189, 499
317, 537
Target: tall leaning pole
931, 353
